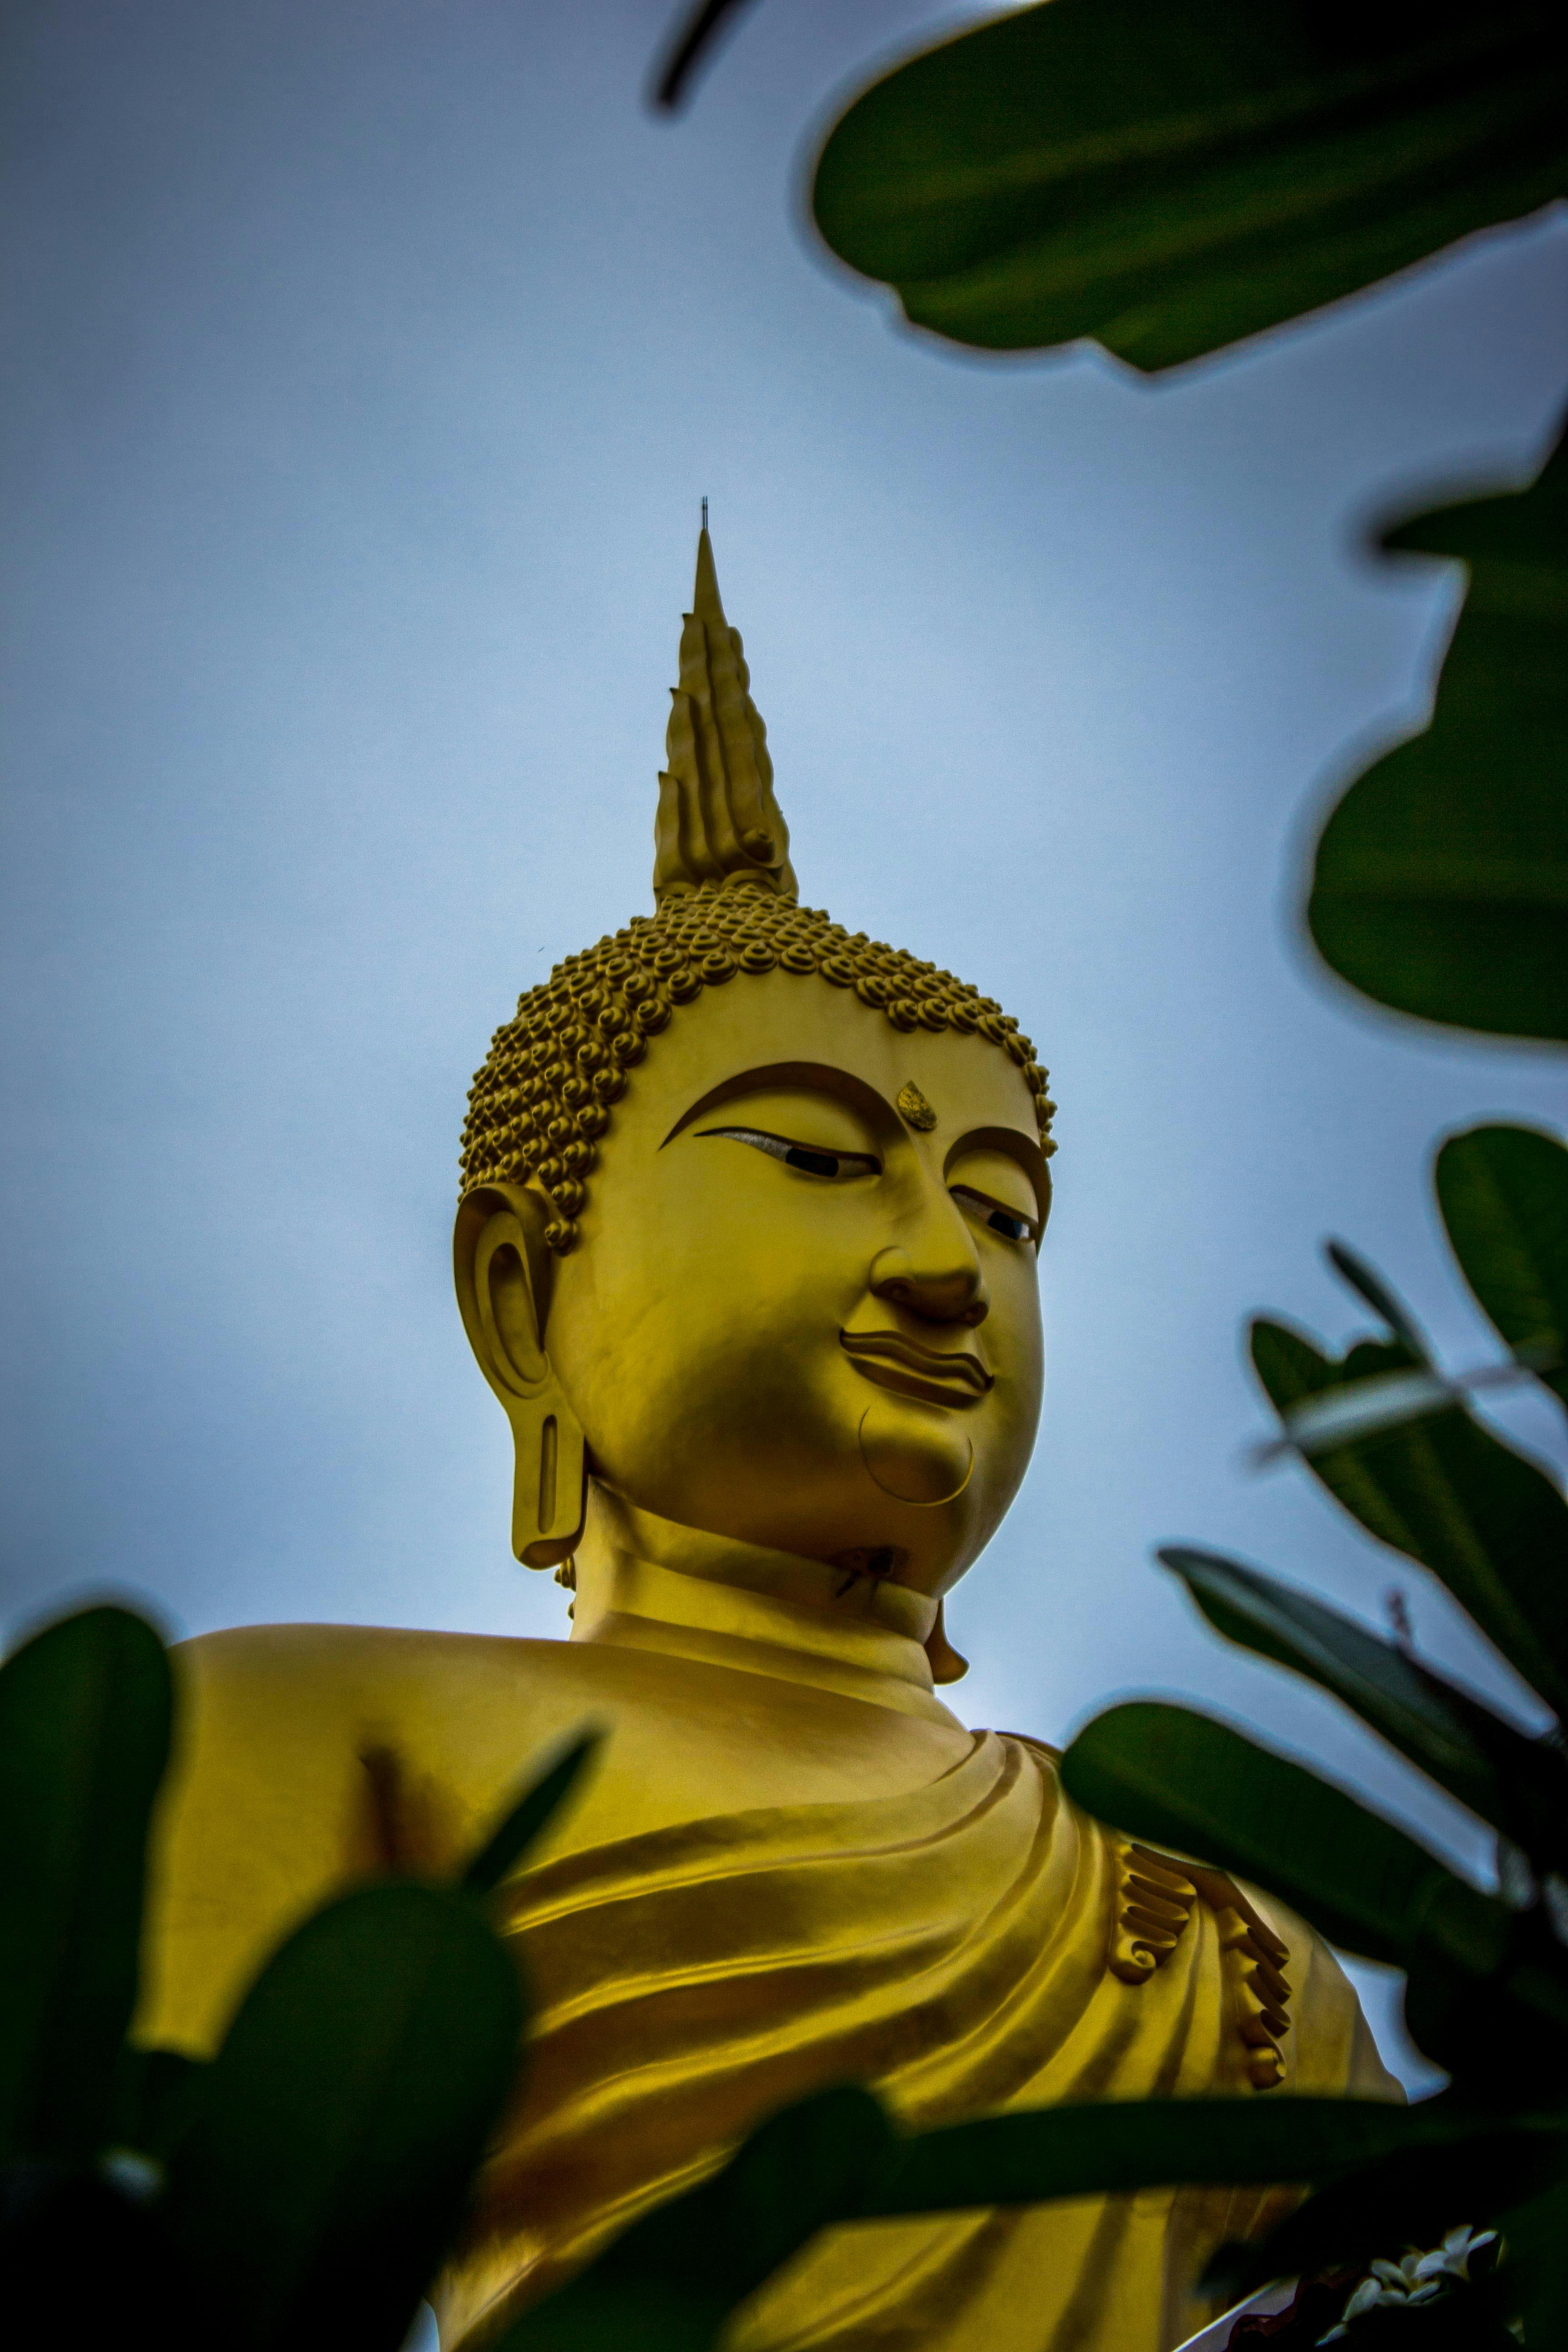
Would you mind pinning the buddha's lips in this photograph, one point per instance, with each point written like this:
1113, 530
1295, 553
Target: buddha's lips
930, 1372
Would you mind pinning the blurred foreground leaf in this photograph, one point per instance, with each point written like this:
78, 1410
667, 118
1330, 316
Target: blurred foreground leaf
316, 2190
155, 2097
1537, 2235
1441, 883
1129, 2144
1170, 175
85, 1711
1446, 1493
1407, 2199
529, 1817
1503, 1191
670, 2282
83, 2265
1518, 1784
1185, 1781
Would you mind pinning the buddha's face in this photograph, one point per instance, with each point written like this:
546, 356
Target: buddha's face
795, 1317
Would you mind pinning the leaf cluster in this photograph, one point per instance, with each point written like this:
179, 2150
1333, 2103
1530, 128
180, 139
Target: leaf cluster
298, 2187
1169, 176
302, 2186
1487, 1972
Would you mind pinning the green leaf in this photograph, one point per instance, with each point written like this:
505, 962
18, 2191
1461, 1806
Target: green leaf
1503, 1191
1518, 1784
319, 2183
1186, 1782
1441, 882
1507, 2042
1410, 2199
1122, 2145
1170, 175
670, 2282
527, 1819
1447, 1492
1537, 2239
1368, 1284
155, 2097
85, 2264
85, 1712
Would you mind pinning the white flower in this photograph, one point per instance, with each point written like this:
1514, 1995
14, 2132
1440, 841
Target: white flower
1415, 2278
1452, 2258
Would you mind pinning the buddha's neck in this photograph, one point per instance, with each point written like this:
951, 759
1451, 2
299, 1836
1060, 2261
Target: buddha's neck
650, 1584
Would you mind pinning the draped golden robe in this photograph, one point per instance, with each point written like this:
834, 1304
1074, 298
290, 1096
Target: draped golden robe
793, 1866
693, 1979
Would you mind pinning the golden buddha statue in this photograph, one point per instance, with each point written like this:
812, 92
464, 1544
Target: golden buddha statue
746, 1250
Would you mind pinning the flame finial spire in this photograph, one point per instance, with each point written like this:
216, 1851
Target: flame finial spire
719, 823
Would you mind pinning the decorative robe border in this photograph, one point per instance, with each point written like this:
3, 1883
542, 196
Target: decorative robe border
1155, 1899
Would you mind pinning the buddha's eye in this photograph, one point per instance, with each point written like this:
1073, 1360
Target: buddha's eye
803, 1155
1007, 1221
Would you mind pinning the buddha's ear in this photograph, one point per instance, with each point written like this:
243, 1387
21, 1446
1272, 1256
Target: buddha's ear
504, 1273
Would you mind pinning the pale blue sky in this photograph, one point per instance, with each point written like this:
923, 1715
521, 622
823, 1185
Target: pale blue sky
365, 367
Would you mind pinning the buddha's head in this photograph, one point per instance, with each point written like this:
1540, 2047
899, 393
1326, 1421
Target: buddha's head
752, 1206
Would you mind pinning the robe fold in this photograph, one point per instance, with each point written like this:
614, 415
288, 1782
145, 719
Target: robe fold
973, 1945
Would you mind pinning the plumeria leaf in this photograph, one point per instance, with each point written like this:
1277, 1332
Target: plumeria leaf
327, 2164
1503, 1191
1171, 175
1185, 1781
1441, 880
85, 1714
1443, 1491
526, 1821
1517, 1783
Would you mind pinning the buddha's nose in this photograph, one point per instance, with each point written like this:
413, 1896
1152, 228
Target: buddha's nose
941, 1287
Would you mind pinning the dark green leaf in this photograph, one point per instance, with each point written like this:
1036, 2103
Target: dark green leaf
83, 2265
1458, 2320
1183, 1781
1447, 1492
1503, 1191
1122, 2145
1170, 175
670, 2282
85, 1711
1368, 1284
694, 39
1512, 2044
326, 2167
155, 2095
1441, 883
1410, 2199
526, 1819
1519, 1785
1537, 2239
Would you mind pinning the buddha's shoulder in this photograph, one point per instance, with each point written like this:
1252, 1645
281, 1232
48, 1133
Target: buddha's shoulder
482, 1703
304, 1679
307, 1657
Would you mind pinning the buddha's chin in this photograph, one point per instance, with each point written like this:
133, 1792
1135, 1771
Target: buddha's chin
916, 1454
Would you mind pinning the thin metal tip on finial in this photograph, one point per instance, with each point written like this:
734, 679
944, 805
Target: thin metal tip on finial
704, 514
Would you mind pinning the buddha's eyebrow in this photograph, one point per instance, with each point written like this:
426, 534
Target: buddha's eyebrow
1014, 1145
799, 1077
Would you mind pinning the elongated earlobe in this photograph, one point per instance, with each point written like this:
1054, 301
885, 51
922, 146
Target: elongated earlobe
946, 1663
549, 1484
500, 1268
